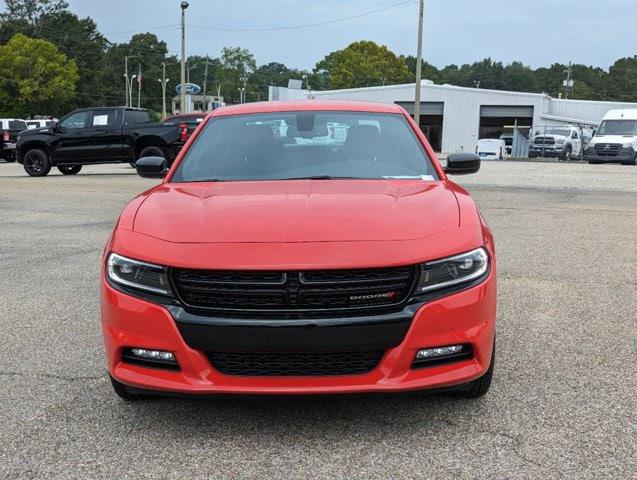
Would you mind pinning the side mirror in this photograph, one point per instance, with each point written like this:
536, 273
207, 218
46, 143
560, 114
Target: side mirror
462, 163
151, 167
58, 128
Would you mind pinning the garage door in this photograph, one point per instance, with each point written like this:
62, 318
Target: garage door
426, 108
506, 111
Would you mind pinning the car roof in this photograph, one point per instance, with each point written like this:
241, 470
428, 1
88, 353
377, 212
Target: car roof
307, 105
621, 114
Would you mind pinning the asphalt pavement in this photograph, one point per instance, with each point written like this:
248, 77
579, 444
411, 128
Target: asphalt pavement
562, 404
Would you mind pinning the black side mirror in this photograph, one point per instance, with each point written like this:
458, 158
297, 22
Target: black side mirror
151, 167
462, 163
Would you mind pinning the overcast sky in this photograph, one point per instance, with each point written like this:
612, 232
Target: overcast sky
537, 32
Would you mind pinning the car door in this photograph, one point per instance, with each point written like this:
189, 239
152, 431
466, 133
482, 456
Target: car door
103, 136
70, 137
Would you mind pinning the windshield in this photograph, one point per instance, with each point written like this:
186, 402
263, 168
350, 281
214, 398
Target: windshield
311, 144
618, 127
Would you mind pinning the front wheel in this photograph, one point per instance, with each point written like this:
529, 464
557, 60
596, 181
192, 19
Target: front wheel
37, 163
152, 151
568, 153
480, 386
69, 169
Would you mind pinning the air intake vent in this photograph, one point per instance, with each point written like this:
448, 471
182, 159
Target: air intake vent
295, 364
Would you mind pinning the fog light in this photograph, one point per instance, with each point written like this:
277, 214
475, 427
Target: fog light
152, 354
150, 358
438, 352
428, 357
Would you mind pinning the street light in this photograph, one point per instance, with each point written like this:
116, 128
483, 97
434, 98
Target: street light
163, 82
182, 92
130, 90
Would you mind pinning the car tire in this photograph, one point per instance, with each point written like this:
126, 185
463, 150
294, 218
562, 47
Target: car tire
10, 158
69, 169
152, 151
480, 386
567, 155
594, 162
37, 163
124, 393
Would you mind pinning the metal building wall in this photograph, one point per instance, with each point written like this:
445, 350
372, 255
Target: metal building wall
461, 117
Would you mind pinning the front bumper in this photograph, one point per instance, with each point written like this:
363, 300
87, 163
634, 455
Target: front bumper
546, 151
466, 317
625, 155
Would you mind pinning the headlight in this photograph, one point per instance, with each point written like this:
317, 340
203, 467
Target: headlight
137, 275
560, 141
453, 270
627, 145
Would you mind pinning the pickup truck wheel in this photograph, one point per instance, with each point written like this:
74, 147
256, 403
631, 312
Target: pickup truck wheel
69, 169
37, 163
568, 153
152, 151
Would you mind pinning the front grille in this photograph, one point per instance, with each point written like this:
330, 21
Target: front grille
295, 364
294, 291
544, 140
608, 149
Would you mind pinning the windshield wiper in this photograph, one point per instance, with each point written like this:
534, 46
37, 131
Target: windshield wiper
203, 180
319, 177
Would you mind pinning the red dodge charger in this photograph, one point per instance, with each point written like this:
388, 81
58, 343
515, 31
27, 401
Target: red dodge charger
301, 248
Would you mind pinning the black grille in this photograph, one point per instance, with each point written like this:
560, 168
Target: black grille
544, 140
294, 291
295, 364
608, 149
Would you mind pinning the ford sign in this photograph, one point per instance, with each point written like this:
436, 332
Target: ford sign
190, 88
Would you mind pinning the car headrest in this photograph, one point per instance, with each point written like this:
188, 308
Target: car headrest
362, 134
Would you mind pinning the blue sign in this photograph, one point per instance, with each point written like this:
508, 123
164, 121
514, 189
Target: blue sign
190, 88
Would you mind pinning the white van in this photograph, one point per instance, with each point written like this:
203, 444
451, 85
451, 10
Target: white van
616, 139
491, 149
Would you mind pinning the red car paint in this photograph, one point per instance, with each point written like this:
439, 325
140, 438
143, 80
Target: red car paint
296, 225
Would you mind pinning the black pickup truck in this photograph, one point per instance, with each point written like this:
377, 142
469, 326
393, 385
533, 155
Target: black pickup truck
96, 135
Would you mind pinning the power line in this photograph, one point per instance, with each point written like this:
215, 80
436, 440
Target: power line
306, 25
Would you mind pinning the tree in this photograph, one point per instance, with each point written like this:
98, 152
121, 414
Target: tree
31, 10
622, 78
36, 77
364, 64
237, 65
429, 71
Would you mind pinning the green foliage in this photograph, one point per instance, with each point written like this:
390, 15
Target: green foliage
364, 64
95, 75
36, 77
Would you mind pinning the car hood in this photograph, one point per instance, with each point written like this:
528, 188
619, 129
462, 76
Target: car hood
612, 139
297, 211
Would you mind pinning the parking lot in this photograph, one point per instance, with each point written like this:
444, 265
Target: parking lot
562, 403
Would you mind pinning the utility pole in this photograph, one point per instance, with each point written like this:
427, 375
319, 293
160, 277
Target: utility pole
182, 90
139, 85
421, 10
163, 80
205, 82
568, 83
129, 85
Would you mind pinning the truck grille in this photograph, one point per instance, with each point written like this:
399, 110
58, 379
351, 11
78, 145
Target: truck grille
544, 141
294, 291
295, 364
608, 149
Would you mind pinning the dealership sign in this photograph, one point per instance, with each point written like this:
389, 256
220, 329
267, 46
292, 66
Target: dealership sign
189, 88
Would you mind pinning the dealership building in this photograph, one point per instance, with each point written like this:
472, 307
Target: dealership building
454, 118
